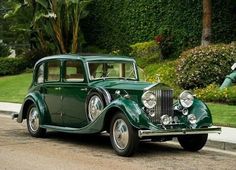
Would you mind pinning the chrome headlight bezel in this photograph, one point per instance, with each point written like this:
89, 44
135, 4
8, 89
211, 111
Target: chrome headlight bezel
186, 99
149, 99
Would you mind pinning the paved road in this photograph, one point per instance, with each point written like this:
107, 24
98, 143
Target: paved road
69, 151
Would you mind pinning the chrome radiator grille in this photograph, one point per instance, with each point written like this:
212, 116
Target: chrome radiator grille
164, 105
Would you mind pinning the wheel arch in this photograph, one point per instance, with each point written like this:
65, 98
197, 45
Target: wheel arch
135, 115
33, 98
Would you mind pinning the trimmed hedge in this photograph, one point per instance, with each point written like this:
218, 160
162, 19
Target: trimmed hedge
115, 24
201, 66
11, 66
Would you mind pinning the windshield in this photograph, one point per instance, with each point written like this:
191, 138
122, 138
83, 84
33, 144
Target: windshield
120, 70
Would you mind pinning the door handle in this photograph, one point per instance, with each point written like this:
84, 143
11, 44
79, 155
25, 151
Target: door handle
58, 88
84, 89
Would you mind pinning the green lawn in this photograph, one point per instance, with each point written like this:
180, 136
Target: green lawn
14, 88
222, 114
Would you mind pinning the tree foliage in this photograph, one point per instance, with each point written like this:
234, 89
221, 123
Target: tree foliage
54, 25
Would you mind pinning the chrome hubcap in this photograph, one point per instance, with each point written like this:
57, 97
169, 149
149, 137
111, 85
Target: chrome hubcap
95, 107
120, 134
34, 119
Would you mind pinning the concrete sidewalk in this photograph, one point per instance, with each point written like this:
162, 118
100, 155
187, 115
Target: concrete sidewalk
228, 135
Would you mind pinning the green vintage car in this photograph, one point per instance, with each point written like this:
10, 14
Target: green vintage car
92, 94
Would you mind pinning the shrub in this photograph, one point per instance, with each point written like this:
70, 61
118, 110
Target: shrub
212, 93
10, 66
145, 53
201, 66
4, 50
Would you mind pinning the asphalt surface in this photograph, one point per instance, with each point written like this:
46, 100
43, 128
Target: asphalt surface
59, 151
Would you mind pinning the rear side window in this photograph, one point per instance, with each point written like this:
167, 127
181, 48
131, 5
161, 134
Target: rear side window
40, 74
74, 71
53, 70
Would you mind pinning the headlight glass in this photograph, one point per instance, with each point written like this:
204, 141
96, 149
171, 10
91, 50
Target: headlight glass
149, 100
186, 99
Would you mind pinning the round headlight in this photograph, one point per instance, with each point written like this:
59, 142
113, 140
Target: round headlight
149, 100
186, 99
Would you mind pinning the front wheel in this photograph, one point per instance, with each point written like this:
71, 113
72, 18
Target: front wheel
123, 136
193, 142
33, 122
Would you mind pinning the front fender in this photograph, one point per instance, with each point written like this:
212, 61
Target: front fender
33, 98
202, 112
136, 116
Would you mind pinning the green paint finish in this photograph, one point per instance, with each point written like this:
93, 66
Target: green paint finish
62, 104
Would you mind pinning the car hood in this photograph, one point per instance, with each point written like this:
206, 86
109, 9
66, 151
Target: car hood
121, 84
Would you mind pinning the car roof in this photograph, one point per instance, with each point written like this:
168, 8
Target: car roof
86, 57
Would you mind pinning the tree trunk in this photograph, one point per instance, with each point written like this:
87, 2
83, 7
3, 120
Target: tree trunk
206, 22
75, 29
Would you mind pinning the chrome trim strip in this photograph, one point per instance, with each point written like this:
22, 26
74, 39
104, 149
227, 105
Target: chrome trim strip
172, 132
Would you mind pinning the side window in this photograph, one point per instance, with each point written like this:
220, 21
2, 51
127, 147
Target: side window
74, 71
53, 70
40, 74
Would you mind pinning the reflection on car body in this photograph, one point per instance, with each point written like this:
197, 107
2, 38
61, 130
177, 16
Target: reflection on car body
91, 94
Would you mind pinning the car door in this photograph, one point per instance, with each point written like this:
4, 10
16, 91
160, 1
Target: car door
74, 92
52, 91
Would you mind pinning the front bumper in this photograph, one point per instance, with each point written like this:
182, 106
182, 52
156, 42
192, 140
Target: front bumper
177, 132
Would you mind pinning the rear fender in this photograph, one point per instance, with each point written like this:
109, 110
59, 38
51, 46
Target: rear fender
33, 98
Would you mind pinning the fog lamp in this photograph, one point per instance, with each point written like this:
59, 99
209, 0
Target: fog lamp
165, 119
192, 118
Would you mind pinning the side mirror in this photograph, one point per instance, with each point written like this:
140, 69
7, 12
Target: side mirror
233, 66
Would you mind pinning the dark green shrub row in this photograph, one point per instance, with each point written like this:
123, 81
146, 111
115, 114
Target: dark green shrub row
115, 24
4, 50
212, 93
201, 66
11, 66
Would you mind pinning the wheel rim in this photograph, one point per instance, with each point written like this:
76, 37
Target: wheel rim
95, 107
34, 119
120, 134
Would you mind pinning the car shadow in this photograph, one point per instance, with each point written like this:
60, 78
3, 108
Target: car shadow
101, 142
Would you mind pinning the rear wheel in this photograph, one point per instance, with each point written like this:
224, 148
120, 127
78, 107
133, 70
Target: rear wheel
123, 136
193, 142
33, 122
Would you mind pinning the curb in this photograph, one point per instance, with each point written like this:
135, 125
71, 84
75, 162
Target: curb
221, 145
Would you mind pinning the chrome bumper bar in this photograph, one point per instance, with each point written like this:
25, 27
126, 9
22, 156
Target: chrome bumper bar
176, 132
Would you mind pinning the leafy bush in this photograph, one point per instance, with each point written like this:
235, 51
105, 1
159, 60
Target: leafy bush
11, 66
32, 56
212, 93
166, 73
201, 66
145, 53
